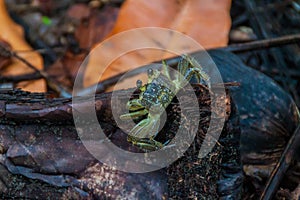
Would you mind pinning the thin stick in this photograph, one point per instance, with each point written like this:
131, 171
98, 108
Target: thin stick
236, 48
20, 78
282, 166
263, 44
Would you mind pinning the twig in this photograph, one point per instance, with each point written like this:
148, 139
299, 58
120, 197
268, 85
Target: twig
103, 85
20, 78
262, 44
43, 50
285, 161
236, 48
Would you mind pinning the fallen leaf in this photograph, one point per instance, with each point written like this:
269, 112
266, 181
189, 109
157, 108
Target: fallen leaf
13, 34
64, 70
206, 21
95, 27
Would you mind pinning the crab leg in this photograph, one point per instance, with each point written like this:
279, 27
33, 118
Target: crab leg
182, 66
148, 144
200, 75
134, 105
196, 69
165, 70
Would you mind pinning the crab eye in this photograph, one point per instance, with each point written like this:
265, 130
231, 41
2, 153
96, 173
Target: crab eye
150, 72
139, 83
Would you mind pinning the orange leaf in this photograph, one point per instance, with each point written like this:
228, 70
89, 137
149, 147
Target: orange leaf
206, 21
13, 34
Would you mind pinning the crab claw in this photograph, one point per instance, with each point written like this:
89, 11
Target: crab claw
134, 104
146, 128
134, 115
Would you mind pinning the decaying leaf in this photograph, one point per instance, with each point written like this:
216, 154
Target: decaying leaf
64, 70
13, 34
96, 25
207, 22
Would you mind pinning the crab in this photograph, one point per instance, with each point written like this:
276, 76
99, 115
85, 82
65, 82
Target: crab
154, 98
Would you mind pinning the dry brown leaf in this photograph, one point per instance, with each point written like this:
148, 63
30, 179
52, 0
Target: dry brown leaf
64, 70
206, 21
96, 25
13, 34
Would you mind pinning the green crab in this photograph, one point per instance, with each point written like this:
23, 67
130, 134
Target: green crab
154, 98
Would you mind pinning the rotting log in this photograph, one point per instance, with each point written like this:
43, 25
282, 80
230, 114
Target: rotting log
42, 155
